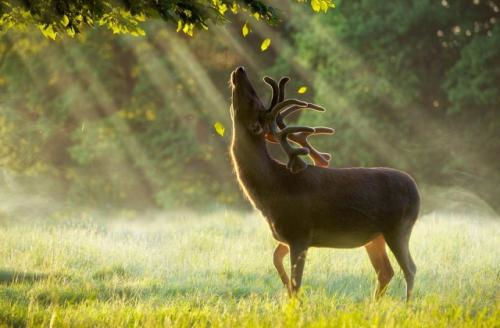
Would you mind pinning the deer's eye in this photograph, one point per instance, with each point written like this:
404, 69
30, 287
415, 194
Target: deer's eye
256, 128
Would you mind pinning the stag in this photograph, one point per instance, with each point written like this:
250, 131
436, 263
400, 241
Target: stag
313, 205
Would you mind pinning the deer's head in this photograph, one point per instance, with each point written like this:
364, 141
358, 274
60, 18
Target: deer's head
249, 113
247, 109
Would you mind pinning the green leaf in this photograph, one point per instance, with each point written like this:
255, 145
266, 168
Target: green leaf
265, 44
219, 128
322, 5
245, 30
316, 5
302, 90
138, 32
65, 21
121, 16
48, 32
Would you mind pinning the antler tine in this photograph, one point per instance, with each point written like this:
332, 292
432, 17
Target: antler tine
274, 86
295, 163
296, 129
300, 138
323, 130
283, 81
293, 109
283, 138
284, 104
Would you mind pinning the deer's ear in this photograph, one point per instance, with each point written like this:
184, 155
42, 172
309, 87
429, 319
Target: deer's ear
256, 128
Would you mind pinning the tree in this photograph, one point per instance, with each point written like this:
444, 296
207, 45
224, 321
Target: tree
415, 85
71, 17
91, 122
117, 121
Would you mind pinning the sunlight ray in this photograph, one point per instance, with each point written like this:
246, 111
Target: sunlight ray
104, 99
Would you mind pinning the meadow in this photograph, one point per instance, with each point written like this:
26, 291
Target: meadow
184, 270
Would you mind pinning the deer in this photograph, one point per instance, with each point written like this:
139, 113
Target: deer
313, 205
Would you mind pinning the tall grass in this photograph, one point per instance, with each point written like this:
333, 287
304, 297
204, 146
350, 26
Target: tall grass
181, 270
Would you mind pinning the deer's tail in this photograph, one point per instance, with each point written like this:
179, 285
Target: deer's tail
413, 205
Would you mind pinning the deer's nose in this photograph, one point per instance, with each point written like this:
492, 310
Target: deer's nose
238, 75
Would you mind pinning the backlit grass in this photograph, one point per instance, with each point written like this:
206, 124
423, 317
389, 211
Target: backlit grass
181, 270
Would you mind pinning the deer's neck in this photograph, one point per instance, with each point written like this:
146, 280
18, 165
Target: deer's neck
253, 165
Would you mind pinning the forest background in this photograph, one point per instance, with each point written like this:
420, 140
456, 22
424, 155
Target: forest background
105, 121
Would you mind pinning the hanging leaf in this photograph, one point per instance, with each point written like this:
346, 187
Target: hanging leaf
65, 21
48, 32
122, 16
265, 44
245, 30
222, 8
234, 8
316, 5
322, 5
71, 32
219, 128
302, 90
138, 32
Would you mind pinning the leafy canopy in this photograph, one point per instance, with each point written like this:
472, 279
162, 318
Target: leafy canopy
124, 17
413, 85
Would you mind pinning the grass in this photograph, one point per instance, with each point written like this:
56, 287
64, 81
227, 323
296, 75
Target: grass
184, 271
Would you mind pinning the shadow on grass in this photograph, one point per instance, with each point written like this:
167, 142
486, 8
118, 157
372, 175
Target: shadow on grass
12, 277
113, 284
218, 285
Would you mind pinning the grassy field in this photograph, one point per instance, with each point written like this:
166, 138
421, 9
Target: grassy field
184, 271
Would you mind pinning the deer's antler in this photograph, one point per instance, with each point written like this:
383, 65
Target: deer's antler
319, 159
275, 88
279, 132
278, 94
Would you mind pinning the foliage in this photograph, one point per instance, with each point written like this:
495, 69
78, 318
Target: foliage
473, 81
187, 271
111, 135
411, 85
115, 121
71, 17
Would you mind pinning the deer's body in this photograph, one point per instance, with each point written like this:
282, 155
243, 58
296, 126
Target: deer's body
327, 207
324, 207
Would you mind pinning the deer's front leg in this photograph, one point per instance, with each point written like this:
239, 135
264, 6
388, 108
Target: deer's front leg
279, 253
297, 260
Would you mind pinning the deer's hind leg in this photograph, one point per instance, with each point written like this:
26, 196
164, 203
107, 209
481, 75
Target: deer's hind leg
279, 253
378, 257
399, 245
